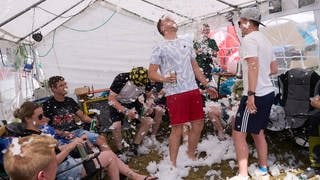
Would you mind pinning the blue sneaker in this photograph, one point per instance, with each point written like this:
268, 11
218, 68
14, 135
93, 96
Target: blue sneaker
260, 173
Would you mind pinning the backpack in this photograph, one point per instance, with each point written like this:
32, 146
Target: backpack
296, 86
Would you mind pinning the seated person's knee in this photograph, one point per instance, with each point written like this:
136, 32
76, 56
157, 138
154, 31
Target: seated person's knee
116, 126
147, 121
106, 158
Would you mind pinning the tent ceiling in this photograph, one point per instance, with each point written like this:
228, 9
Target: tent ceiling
20, 19
181, 10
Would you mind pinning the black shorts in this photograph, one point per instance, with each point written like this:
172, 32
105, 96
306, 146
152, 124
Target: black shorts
115, 115
253, 123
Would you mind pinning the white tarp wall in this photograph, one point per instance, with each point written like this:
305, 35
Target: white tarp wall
96, 57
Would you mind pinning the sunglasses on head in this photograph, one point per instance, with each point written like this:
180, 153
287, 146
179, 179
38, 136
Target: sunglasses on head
40, 117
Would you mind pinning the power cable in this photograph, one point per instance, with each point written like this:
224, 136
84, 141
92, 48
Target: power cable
51, 20
92, 29
70, 16
78, 30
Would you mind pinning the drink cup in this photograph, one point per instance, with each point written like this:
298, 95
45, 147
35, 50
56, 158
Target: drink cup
173, 74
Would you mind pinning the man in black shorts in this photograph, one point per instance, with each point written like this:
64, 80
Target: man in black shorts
258, 62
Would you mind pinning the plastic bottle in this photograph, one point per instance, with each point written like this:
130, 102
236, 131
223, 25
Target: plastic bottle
309, 173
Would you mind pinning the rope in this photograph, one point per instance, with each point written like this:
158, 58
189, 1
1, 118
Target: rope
92, 29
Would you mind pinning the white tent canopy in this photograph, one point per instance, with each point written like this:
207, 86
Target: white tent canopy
20, 19
46, 15
90, 41
123, 42
183, 11
36, 16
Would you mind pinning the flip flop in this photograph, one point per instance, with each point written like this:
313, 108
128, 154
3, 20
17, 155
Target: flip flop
150, 178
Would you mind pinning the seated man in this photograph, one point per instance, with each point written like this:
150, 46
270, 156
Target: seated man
123, 99
62, 110
31, 158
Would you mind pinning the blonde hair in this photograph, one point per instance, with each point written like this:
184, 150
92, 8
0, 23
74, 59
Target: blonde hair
27, 156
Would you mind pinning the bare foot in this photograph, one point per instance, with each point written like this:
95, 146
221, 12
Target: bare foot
192, 156
221, 136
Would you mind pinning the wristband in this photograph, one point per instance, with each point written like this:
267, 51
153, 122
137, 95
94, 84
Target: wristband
211, 87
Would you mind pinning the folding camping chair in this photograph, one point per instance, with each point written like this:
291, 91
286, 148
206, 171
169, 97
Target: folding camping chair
296, 87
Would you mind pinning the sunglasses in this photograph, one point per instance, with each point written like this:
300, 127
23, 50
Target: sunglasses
40, 117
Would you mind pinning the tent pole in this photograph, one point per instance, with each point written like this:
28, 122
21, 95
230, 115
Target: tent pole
51, 20
181, 15
22, 12
228, 4
316, 14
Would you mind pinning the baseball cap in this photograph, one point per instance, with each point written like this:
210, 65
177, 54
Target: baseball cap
251, 13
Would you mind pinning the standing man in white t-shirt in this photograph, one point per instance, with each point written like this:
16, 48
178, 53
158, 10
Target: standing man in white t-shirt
258, 63
175, 58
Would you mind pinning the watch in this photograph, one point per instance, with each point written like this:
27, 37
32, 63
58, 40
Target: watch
251, 93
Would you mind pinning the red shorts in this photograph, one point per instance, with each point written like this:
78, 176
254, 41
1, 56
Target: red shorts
185, 107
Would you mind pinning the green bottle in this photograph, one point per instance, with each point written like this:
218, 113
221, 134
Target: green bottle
93, 124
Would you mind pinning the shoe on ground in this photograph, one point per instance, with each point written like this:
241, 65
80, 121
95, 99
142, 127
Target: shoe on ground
302, 141
239, 177
260, 173
133, 150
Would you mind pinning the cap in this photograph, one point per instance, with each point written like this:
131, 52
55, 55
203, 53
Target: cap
139, 76
251, 14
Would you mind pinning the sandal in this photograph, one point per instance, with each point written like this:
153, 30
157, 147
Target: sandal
150, 178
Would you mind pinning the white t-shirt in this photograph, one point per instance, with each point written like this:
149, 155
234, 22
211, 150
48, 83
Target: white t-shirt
175, 55
255, 44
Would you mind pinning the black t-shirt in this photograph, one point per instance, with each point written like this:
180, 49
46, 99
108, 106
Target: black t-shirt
127, 91
61, 114
119, 82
